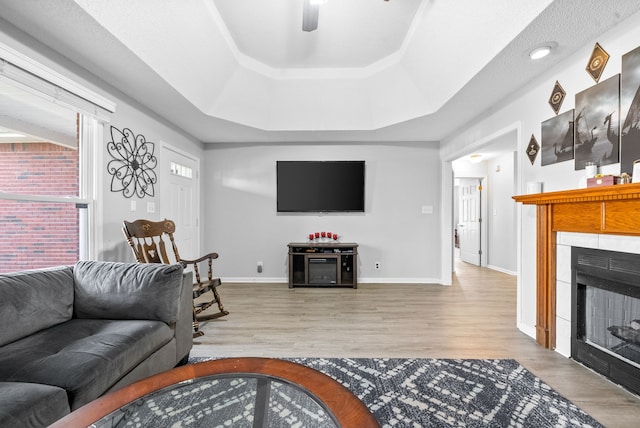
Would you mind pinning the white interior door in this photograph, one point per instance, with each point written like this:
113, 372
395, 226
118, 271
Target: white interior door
179, 200
469, 221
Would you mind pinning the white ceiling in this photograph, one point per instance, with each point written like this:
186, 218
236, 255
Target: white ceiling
343, 39
374, 70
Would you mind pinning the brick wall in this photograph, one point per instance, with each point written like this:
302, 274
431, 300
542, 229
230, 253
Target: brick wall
36, 234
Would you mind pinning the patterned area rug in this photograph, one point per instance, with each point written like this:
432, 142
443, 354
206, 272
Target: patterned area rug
446, 392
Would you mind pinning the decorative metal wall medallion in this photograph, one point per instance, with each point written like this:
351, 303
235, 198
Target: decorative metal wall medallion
557, 97
532, 149
597, 62
133, 164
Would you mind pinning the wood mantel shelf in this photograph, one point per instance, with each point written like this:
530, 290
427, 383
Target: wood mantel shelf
620, 191
604, 210
608, 209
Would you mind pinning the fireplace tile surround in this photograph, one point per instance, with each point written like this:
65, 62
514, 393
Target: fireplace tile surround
564, 242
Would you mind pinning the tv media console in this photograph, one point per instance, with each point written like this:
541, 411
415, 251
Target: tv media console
323, 264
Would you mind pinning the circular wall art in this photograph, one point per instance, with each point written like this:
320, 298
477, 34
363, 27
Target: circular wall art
133, 164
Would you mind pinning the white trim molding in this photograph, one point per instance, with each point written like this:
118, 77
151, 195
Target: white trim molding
37, 78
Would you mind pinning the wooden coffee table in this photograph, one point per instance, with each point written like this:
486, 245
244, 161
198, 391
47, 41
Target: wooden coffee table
233, 391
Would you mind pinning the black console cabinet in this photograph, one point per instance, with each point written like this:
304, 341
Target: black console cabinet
323, 264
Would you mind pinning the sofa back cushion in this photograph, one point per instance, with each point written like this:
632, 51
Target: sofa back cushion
111, 290
33, 300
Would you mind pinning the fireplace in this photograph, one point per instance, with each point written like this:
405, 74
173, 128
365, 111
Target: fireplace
606, 210
605, 325
323, 271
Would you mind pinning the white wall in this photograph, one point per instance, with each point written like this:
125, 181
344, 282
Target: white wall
501, 218
243, 226
524, 112
466, 169
114, 205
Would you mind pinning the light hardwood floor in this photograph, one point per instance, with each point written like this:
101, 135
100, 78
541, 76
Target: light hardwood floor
474, 318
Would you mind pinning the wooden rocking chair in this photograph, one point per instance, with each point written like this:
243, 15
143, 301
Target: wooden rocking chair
148, 243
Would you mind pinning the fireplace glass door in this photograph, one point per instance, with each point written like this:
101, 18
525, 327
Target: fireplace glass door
323, 271
605, 319
612, 323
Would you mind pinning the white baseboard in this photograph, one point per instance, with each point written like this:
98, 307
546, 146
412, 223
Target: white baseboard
263, 280
433, 281
276, 280
527, 329
499, 269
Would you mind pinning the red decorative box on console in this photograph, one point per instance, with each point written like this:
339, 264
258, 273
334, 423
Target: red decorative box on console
606, 180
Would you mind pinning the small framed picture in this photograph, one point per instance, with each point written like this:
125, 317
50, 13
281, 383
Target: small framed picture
597, 62
630, 110
532, 149
596, 127
557, 97
557, 139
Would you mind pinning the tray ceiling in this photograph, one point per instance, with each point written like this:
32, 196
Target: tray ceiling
374, 70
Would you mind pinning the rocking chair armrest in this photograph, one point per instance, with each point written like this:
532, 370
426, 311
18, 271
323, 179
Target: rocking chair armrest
211, 256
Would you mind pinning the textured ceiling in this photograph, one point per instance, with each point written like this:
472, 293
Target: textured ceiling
231, 70
344, 39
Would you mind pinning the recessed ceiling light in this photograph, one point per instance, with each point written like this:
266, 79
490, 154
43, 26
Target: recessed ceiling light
542, 50
475, 158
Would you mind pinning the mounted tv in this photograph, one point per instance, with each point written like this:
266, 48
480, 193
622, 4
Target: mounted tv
320, 186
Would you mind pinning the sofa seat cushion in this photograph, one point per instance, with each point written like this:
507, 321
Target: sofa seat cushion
25, 405
85, 357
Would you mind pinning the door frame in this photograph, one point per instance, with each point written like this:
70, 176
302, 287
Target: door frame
164, 178
482, 229
447, 175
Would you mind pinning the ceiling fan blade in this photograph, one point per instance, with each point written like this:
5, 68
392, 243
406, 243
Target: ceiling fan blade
310, 14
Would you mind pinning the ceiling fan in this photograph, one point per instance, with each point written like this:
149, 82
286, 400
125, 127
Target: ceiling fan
310, 11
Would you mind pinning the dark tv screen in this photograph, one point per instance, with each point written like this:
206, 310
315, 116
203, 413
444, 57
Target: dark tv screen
320, 186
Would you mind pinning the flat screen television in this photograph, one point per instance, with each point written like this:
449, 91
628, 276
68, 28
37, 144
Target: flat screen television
320, 186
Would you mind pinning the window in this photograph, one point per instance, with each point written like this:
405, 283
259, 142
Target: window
46, 149
41, 208
181, 170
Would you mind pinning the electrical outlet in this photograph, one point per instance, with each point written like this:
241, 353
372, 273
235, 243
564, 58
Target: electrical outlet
259, 267
377, 265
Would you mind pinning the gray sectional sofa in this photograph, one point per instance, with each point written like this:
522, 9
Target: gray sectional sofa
70, 334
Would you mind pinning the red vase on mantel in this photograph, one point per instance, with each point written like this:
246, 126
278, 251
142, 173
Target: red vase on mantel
323, 236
